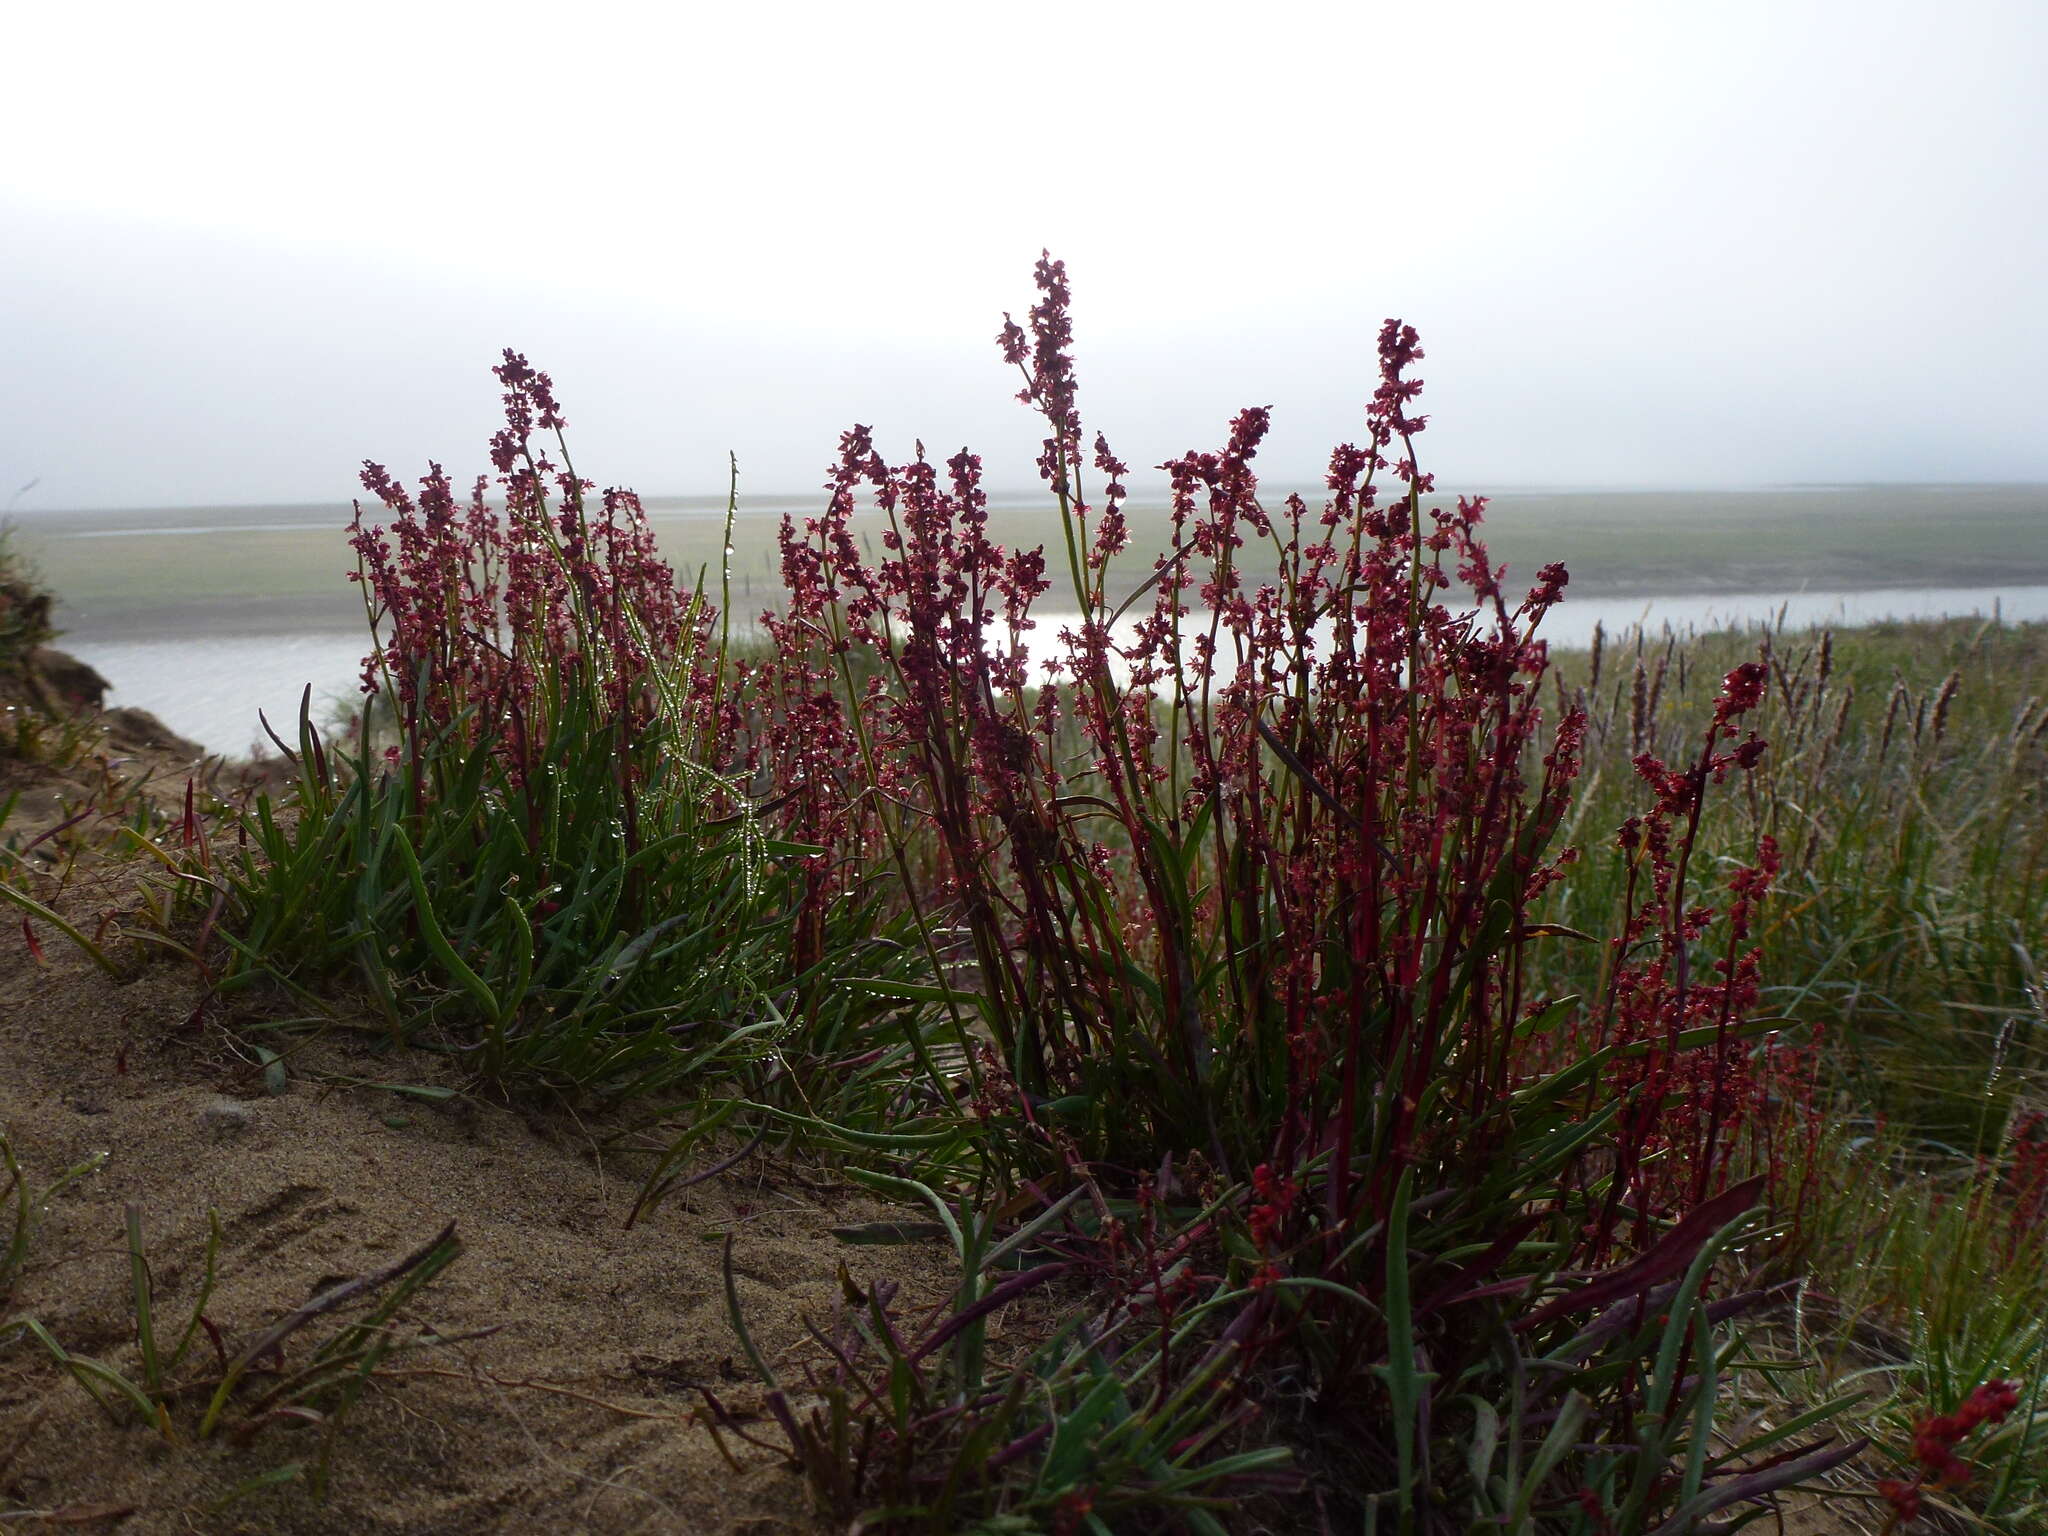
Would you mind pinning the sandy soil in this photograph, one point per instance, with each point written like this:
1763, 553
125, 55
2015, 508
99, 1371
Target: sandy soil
612, 1330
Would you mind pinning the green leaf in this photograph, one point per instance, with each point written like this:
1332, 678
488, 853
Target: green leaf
909, 991
888, 1233
1562, 1434
1069, 1451
437, 941
276, 1477
37, 910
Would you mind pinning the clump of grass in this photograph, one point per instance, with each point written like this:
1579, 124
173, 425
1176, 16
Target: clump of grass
1256, 891
21, 1207
1110, 1419
549, 855
1903, 787
251, 1386
113, 817
1150, 1405
1929, 1278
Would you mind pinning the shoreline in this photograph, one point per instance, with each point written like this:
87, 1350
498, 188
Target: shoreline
209, 685
202, 618
133, 573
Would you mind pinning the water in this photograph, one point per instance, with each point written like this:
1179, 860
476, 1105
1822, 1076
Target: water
1570, 624
210, 688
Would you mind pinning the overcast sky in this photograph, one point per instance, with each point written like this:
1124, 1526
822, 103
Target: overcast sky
244, 246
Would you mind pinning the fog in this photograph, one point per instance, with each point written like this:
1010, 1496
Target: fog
243, 247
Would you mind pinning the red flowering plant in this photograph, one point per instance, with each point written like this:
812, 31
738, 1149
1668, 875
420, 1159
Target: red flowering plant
1249, 879
1968, 1417
2024, 1185
1940, 1457
545, 836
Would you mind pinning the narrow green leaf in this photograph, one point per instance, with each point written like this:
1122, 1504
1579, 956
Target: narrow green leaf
430, 930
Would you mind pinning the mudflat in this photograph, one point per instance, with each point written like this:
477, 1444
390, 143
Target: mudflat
166, 574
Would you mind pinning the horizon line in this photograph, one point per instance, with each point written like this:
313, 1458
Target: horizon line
1011, 495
